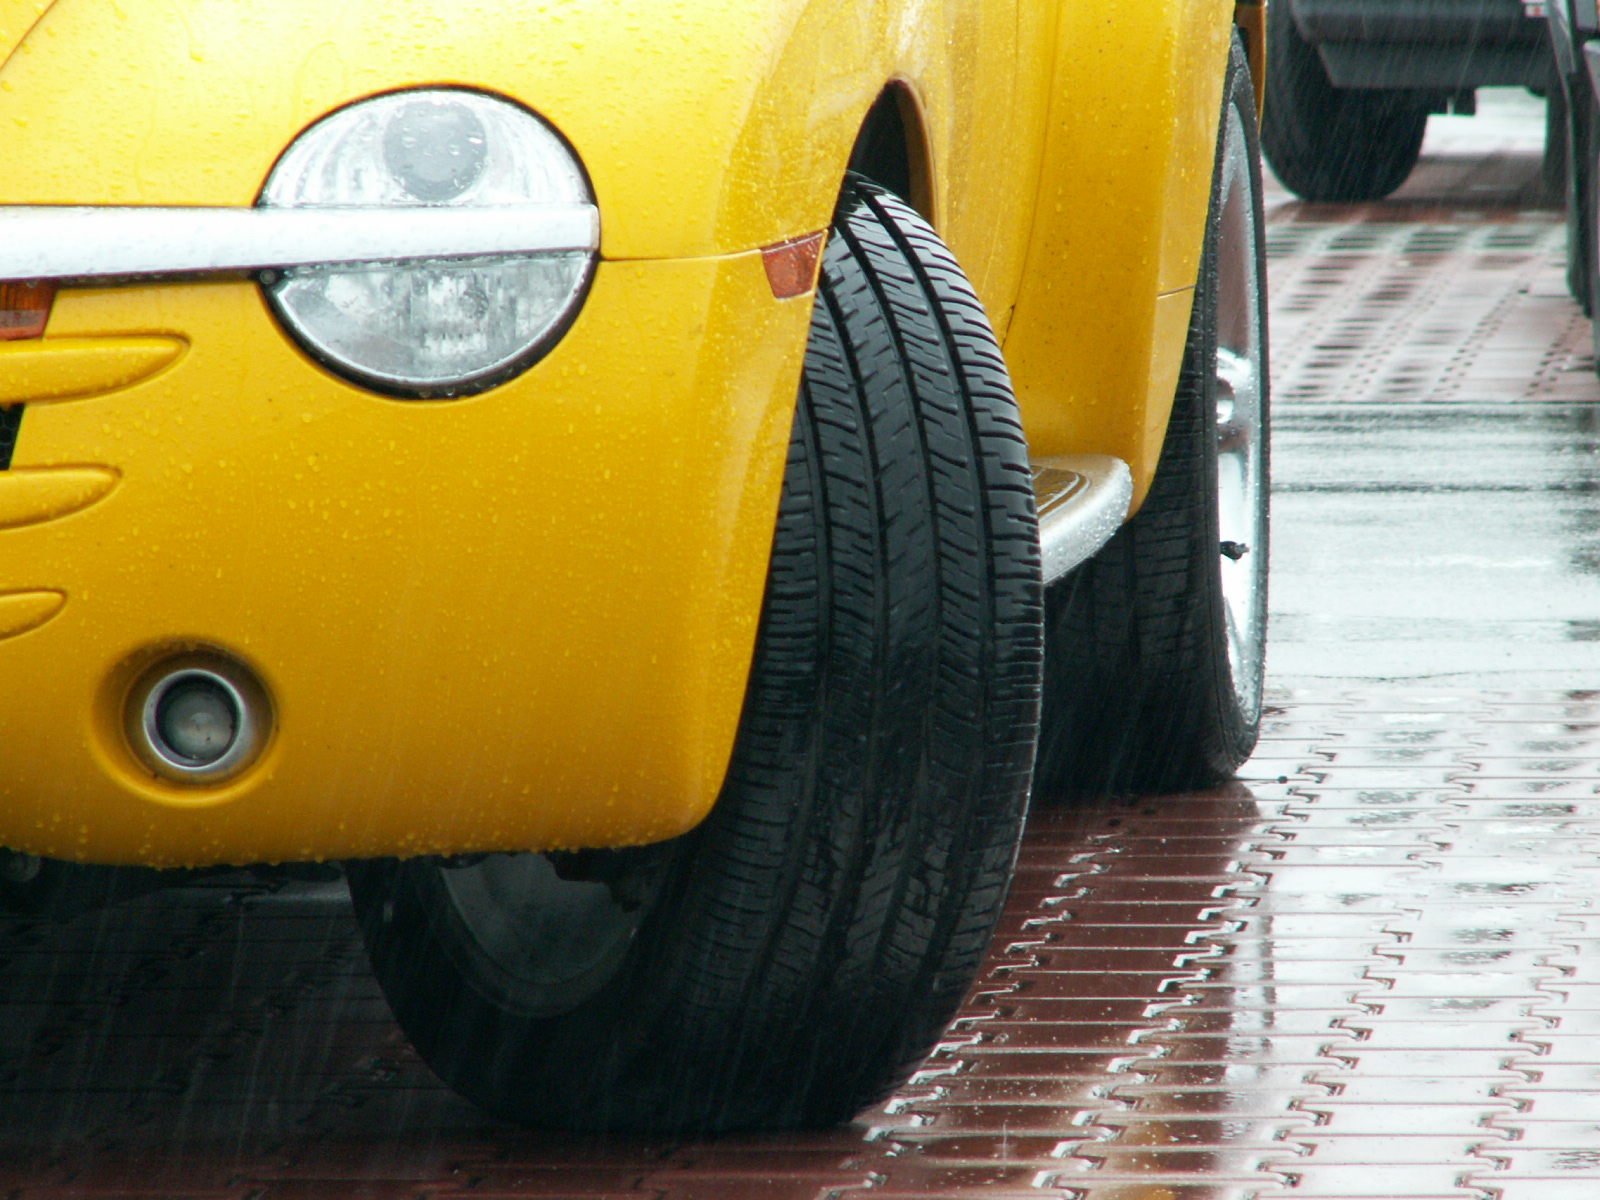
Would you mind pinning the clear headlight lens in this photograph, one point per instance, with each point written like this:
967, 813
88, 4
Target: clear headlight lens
438, 327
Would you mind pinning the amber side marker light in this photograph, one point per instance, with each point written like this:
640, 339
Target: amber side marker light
792, 265
25, 309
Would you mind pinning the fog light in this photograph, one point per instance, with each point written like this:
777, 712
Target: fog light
197, 719
200, 718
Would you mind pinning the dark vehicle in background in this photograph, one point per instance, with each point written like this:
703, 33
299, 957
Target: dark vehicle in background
1575, 40
1350, 83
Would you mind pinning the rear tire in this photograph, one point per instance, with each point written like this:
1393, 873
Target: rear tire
1154, 648
792, 959
1331, 143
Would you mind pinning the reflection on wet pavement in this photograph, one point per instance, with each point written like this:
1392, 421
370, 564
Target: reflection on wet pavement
1369, 968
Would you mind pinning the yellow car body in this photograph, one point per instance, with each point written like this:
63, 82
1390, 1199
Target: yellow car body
523, 619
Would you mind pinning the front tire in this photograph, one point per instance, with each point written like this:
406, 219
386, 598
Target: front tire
792, 959
1155, 647
1331, 143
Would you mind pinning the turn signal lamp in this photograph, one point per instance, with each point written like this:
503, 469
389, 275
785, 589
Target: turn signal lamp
25, 309
792, 266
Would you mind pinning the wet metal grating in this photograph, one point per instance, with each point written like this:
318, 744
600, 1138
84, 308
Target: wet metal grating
1385, 313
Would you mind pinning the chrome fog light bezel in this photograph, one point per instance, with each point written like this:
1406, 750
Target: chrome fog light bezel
253, 717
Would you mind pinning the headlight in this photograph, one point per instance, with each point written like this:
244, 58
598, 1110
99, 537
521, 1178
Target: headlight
440, 327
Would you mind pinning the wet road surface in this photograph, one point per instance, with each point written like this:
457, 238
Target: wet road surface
1436, 431
1367, 969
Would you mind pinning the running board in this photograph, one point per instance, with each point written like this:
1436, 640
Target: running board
1082, 500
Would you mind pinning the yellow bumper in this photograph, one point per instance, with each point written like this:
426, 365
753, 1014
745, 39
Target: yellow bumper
520, 620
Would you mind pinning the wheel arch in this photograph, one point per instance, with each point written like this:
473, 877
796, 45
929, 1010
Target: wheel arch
891, 148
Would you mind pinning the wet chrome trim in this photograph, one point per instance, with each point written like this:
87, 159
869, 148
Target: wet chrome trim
1082, 499
1239, 393
63, 242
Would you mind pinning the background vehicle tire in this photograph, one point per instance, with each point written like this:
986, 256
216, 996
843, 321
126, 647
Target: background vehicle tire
799, 952
1583, 213
1580, 112
1554, 170
1331, 143
1154, 648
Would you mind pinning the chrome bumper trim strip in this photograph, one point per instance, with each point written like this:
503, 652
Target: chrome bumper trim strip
62, 242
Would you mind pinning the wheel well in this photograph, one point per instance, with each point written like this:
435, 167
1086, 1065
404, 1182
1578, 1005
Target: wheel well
892, 149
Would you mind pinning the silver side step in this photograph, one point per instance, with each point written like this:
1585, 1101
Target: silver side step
1082, 500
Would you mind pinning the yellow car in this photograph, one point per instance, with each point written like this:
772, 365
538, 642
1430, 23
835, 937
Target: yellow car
403, 467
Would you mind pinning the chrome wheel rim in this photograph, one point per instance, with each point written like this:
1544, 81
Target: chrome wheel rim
1240, 391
